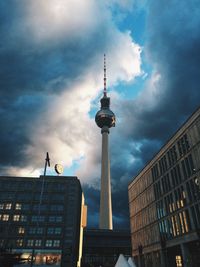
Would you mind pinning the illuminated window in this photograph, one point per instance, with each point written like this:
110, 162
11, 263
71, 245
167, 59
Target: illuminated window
56, 243
176, 224
178, 261
185, 221
8, 206
30, 242
5, 217
16, 218
21, 230
19, 242
49, 243
38, 242
18, 206
173, 226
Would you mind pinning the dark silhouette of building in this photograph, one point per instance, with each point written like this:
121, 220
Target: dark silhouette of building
164, 202
103, 247
54, 235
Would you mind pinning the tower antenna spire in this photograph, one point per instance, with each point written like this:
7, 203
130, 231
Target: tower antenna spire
104, 79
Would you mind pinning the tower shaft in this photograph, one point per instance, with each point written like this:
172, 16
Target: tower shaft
105, 221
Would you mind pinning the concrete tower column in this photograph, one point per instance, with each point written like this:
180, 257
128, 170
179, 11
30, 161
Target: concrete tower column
105, 221
105, 119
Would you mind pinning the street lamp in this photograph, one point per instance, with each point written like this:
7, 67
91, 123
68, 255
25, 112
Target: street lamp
47, 162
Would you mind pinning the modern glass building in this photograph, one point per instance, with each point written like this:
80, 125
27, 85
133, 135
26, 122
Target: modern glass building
43, 218
164, 203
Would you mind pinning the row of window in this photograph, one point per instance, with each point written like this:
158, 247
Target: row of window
183, 145
23, 218
171, 203
37, 243
174, 177
40, 230
19, 206
140, 185
29, 197
171, 157
175, 225
145, 236
143, 218
28, 185
142, 201
193, 190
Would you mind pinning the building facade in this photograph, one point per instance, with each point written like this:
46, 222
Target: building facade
46, 230
164, 203
103, 247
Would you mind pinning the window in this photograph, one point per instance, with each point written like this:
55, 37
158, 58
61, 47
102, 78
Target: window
21, 230
5, 217
49, 243
178, 261
58, 218
55, 218
19, 242
55, 231
1, 206
57, 208
58, 230
36, 230
18, 206
39, 230
25, 207
183, 145
56, 243
50, 230
52, 218
41, 207
30, 242
38, 242
38, 218
23, 218
32, 230
16, 218
8, 206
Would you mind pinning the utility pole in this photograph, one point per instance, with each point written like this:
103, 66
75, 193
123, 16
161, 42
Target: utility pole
47, 162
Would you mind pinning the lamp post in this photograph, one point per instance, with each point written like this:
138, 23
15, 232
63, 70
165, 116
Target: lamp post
47, 162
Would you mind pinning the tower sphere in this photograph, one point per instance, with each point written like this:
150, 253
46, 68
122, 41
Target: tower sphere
105, 117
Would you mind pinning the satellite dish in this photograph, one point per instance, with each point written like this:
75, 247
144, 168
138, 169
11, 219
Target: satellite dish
59, 168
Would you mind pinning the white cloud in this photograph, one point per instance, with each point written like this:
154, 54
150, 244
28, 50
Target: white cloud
64, 18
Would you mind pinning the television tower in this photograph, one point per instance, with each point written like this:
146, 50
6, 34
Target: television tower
105, 119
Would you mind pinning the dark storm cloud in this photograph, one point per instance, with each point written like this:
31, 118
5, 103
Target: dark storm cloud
173, 42
30, 72
92, 199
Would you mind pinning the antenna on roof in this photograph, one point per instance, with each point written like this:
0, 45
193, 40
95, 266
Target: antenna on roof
104, 79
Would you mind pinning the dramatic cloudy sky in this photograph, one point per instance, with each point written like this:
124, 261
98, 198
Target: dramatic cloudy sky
51, 80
